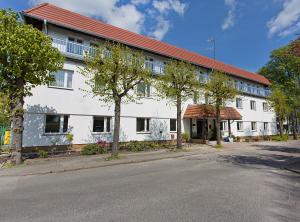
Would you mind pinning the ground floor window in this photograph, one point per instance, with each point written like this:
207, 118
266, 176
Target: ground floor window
142, 124
56, 123
101, 124
173, 125
239, 126
223, 126
253, 126
266, 126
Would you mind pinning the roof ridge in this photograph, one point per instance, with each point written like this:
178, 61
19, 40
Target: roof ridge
36, 7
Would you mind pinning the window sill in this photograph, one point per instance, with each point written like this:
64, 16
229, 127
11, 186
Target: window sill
97, 133
57, 87
173, 131
55, 134
143, 132
240, 131
239, 107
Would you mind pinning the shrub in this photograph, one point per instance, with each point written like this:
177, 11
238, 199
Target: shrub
138, 146
218, 146
238, 139
95, 148
43, 154
185, 136
280, 138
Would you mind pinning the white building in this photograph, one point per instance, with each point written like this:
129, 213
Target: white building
53, 111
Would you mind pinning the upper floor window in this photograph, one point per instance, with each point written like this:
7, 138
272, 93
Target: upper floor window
173, 125
252, 105
62, 79
149, 64
265, 107
143, 89
56, 123
239, 103
101, 124
142, 124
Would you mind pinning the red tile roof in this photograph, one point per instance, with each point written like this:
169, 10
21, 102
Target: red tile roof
207, 111
63, 17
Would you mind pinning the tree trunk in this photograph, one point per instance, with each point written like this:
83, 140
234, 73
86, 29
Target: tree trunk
179, 137
218, 120
115, 147
294, 127
17, 126
280, 127
229, 128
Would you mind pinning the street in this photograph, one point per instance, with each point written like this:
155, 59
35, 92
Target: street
245, 183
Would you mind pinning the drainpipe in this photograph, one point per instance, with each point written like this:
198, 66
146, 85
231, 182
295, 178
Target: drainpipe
45, 26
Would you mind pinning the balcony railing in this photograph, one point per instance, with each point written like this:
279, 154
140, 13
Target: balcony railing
155, 67
252, 90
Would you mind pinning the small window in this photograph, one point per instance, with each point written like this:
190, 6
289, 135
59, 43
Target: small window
101, 124
173, 125
240, 126
223, 126
253, 126
142, 124
56, 123
253, 105
265, 107
239, 103
149, 64
266, 126
143, 90
62, 79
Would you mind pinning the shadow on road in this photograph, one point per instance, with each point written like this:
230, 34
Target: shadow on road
283, 149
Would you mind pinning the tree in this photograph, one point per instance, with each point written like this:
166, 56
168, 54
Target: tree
27, 59
112, 72
178, 84
219, 89
4, 110
283, 70
279, 102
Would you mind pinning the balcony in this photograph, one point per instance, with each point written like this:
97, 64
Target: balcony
252, 90
155, 67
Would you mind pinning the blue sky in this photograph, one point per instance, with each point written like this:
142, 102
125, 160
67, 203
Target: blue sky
245, 31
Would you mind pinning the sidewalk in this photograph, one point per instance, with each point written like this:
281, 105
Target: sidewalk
63, 164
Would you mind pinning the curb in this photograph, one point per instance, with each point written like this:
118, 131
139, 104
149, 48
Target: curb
292, 170
98, 166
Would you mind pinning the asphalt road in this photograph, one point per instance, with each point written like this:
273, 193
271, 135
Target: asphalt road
246, 184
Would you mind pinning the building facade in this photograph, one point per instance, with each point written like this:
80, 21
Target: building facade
63, 107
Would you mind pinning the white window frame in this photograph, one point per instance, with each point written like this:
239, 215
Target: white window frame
66, 76
265, 107
145, 93
266, 126
241, 126
175, 125
255, 128
254, 102
146, 122
241, 103
105, 124
224, 126
61, 124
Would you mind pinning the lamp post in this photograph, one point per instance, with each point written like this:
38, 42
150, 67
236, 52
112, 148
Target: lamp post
213, 41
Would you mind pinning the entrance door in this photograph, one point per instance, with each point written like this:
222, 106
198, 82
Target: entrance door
199, 128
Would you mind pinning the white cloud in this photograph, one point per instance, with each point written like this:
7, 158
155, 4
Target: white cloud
229, 21
127, 15
165, 6
287, 21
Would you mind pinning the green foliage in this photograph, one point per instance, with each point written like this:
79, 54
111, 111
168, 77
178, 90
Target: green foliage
179, 81
27, 56
280, 138
185, 136
218, 146
43, 154
70, 137
4, 110
93, 149
113, 71
220, 88
113, 157
138, 146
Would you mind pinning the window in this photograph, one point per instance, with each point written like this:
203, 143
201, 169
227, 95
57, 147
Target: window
173, 125
265, 107
239, 103
223, 126
62, 79
252, 105
143, 90
266, 125
149, 64
253, 126
142, 124
239, 126
101, 124
56, 123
